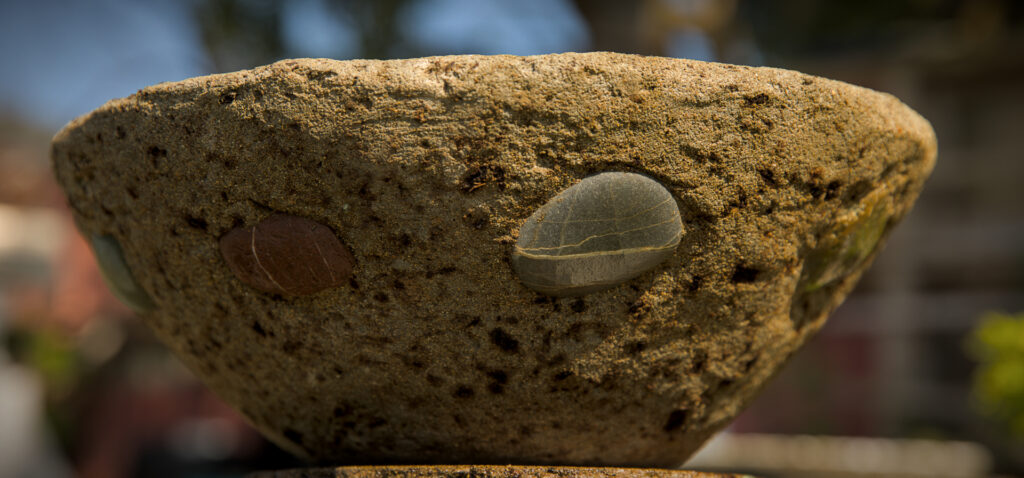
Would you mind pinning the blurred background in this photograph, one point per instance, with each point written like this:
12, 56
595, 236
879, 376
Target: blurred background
919, 373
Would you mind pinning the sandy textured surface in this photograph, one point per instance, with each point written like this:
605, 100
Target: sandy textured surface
433, 351
484, 471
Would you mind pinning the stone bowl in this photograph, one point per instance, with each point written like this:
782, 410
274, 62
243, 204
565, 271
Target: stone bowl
428, 348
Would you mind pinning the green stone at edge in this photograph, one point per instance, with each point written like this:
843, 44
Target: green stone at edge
117, 275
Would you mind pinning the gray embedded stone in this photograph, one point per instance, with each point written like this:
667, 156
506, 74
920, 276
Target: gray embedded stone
117, 275
603, 231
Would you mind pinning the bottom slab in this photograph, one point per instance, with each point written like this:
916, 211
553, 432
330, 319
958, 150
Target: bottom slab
485, 471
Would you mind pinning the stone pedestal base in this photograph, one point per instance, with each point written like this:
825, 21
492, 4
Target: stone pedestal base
484, 471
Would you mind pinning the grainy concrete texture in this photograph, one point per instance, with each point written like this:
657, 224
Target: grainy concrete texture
485, 471
433, 351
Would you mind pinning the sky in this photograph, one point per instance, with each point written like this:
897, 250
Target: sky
63, 58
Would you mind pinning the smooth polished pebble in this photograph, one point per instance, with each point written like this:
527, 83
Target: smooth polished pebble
601, 232
285, 254
117, 275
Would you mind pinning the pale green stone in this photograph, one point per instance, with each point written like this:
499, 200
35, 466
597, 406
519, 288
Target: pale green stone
117, 275
852, 238
603, 231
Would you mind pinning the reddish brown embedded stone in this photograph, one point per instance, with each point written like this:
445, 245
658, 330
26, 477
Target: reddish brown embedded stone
286, 254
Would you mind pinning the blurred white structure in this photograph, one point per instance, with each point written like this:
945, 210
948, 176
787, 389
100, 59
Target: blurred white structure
823, 456
26, 447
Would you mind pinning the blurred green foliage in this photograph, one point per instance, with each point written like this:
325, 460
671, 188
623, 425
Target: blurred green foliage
54, 356
997, 344
50, 353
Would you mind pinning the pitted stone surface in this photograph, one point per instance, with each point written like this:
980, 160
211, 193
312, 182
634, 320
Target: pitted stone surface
433, 350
